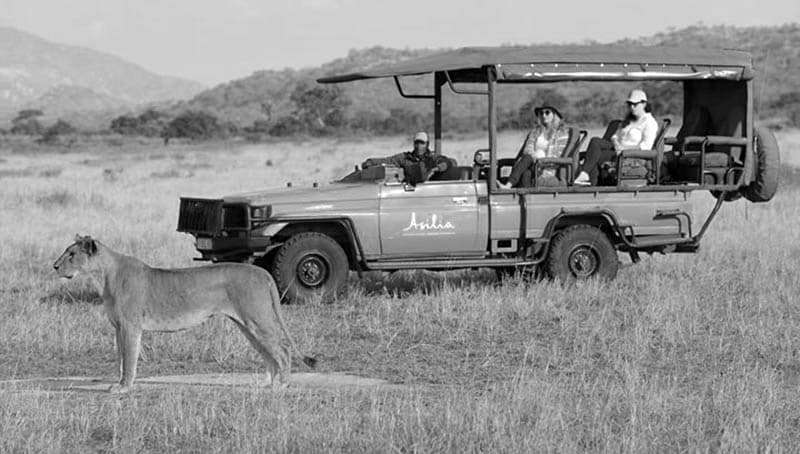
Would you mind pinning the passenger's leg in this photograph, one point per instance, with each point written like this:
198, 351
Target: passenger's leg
598, 152
523, 164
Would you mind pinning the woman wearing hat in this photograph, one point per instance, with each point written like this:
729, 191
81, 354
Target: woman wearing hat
547, 139
638, 133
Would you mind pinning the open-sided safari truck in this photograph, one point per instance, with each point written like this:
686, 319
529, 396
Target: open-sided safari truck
374, 219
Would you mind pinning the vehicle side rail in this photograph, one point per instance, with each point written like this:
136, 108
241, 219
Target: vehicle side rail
448, 263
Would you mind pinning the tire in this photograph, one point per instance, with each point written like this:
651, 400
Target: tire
582, 252
767, 167
310, 266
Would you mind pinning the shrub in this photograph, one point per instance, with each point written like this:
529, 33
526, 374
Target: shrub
319, 109
26, 123
149, 123
59, 128
286, 126
193, 125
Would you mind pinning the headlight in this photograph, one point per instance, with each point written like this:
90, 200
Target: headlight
261, 212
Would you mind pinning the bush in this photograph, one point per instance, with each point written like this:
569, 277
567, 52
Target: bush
193, 125
25, 123
125, 125
596, 108
286, 126
665, 98
788, 106
149, 123
53, 132
319, 110
259, 126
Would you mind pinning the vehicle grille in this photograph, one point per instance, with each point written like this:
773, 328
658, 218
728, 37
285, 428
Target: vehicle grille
200, 216
234, 217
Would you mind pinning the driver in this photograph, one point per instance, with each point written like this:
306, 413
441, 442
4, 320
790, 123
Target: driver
420, 161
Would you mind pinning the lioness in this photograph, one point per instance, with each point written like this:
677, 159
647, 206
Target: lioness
137, 298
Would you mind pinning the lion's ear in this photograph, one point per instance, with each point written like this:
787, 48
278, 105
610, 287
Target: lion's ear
78, 238
87, 244
92, 245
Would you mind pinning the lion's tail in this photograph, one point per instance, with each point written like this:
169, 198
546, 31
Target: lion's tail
309, 361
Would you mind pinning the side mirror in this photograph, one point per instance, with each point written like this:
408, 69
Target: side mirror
482, 157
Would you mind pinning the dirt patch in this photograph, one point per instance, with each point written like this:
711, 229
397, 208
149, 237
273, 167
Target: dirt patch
331, 380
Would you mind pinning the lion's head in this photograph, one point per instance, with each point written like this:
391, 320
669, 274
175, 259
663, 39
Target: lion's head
76, 257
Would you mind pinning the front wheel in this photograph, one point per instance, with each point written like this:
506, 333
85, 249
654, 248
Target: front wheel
581, 252
310, 266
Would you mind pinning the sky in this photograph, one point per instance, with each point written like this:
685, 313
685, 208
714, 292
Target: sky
216, 41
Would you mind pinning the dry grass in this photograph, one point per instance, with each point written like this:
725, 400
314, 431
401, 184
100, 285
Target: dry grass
680, 353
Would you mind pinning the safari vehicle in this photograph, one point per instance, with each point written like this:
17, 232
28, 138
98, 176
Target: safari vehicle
374, 219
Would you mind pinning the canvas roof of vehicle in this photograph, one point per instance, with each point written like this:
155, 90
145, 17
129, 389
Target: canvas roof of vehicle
554, 63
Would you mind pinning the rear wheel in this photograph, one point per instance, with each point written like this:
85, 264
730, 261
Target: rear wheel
310, 266
581, 252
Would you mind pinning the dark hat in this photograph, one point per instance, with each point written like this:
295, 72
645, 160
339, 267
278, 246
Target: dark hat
547, 106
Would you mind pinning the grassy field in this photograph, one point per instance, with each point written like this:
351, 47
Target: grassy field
680, 353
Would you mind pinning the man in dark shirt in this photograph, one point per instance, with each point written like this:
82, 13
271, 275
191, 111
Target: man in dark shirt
419, 164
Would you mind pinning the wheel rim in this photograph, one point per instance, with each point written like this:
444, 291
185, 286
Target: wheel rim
312, 271
583, 261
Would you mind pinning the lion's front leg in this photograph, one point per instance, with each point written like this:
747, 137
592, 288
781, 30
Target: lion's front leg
118, 344
129, 343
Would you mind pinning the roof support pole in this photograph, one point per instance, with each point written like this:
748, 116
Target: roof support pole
749, 154
492, 126
438, 81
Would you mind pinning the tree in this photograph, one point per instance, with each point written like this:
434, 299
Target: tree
25, 114
596, 108
788, 105
194, 125
59, 128
665, 98
401, 121
125, 124
286, 126
26, 123
320, 110
149, 123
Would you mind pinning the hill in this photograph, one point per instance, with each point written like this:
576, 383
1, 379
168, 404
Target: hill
265, 96
36, 71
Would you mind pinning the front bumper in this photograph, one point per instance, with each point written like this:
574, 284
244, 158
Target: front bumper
226, 249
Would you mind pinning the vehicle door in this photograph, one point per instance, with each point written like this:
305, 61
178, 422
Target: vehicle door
433, 218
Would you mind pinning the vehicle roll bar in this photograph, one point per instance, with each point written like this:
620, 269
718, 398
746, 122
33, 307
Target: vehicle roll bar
410, 96
462, 91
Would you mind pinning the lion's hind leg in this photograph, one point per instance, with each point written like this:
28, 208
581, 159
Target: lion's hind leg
268, 343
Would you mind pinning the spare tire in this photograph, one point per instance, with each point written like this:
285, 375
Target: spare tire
767, 167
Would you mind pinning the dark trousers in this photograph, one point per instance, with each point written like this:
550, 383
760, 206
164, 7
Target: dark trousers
522, 172
598, 152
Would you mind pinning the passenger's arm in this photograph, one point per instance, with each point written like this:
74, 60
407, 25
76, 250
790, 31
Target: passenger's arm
395, 160
528, 146
649, 133
440, 164
616, 143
